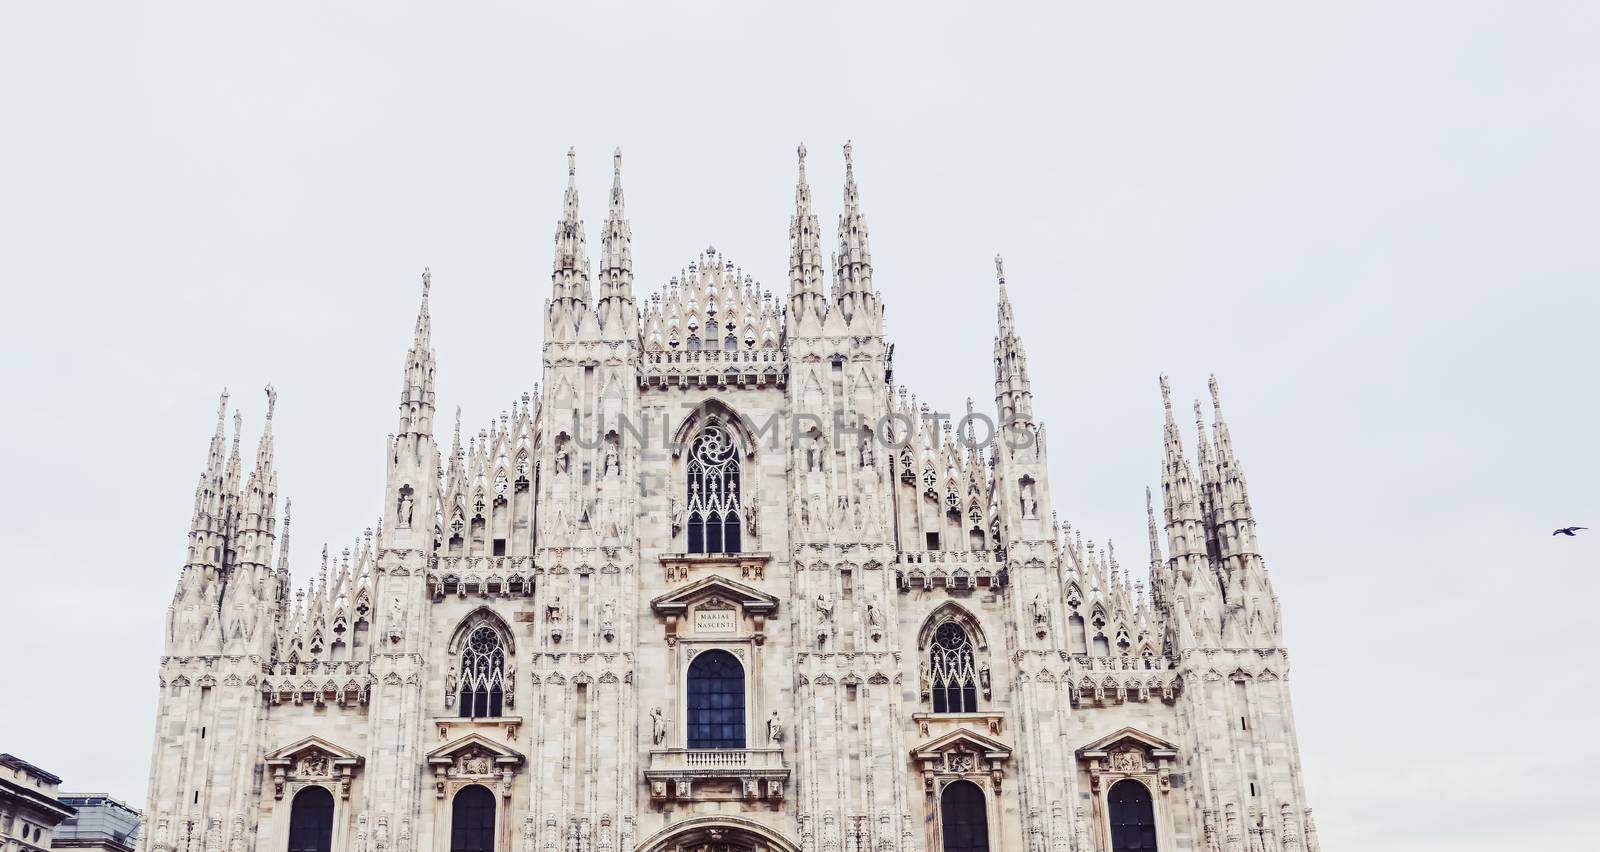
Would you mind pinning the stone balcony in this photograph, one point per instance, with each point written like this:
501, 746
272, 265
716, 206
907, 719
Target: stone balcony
957, 571
710, 775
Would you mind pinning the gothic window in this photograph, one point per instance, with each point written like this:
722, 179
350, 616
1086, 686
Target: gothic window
472, 820
713, 492
483, 666
1077, 637
952, 670
311, 821
963, 818
1133, 820
716, 701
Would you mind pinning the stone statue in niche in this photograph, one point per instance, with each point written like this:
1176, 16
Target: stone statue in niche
608, 619
406, 507
1041, 617
676, 512
824, 606
552, 610
774, 729
1030, 499
658, 726
397, 617
612, 463
814, 452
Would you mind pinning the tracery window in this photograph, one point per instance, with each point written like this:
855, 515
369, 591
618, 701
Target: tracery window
963, 818
472, 820
716, 701
713, 492
952, 670
483, 667
311, 821
1133, 819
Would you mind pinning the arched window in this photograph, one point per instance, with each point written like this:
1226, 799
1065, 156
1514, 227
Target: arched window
311, 821
716, 701
1077, 641
952, 670
472, 820
483, 667
1133, 818
963, 818
713, 492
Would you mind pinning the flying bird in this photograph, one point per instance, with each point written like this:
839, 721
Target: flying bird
1568, 531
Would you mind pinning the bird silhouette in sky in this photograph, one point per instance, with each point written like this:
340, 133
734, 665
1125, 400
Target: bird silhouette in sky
1568, 531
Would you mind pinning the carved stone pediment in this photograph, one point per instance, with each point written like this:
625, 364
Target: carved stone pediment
474, 757
751, 600
961, 753
711, 606
312, 759
1129, 753
964, 739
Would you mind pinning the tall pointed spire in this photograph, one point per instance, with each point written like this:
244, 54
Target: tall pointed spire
853, 263
416, 394
618, 316
570, 271
805, 251
569, 275
1013, 390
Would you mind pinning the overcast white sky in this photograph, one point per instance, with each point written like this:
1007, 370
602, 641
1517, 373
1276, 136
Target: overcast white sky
1376, 222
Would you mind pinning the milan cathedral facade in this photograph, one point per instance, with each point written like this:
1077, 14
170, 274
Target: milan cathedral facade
722, 585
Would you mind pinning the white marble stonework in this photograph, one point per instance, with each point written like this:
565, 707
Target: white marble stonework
799, 612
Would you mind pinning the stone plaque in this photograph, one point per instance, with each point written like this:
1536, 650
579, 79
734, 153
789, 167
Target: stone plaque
722, 621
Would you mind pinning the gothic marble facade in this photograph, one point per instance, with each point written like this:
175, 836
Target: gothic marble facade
721, 585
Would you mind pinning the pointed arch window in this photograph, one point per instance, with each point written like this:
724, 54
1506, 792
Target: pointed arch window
311, 821
716, 701
713, 492
472, 820
952, 670
963, 818
1133, 819
483, 668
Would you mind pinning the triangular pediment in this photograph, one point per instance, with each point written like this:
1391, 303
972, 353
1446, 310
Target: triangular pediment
746, 597
312, 744
475, 744
1157, 746
962, 739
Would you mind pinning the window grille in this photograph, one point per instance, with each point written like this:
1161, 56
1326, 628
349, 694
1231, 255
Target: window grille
472, 820
483, 666
311, 821
716, 701
953, 670
713, 492
1133, 821
963, 818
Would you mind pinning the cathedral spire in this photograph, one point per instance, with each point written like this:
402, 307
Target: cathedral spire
416, 394
569, 275
1013, 391
618, 316
853, 263
805, 251
570, 272
258, 504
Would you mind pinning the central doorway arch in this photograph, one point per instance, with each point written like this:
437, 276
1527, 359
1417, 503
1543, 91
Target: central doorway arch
718, 833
